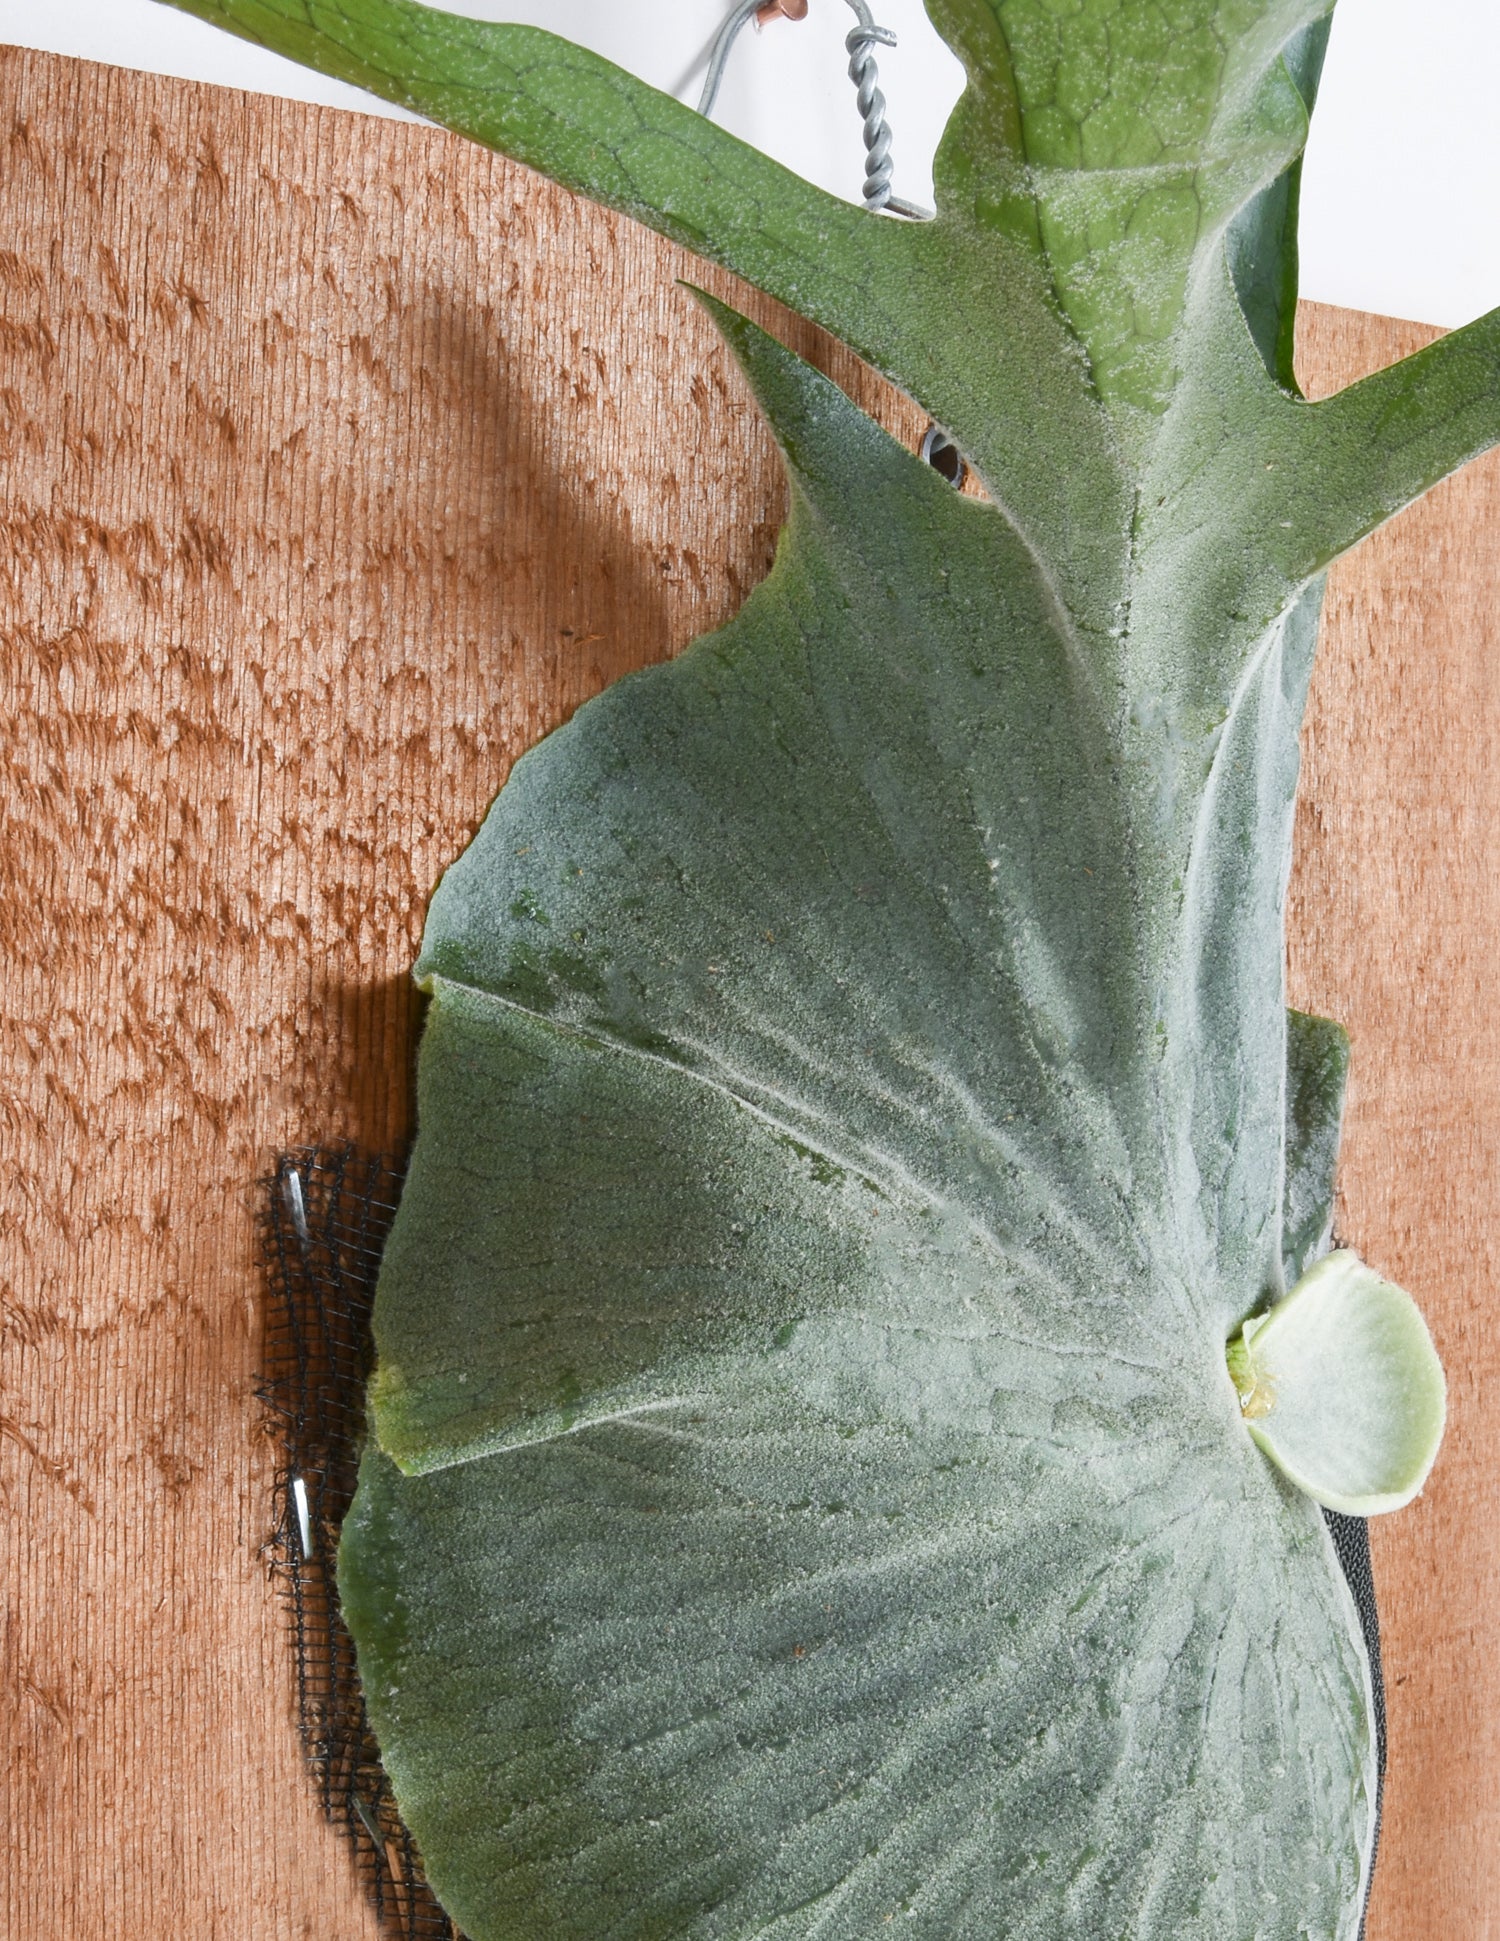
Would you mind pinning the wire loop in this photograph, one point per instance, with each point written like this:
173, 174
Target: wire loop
860, 42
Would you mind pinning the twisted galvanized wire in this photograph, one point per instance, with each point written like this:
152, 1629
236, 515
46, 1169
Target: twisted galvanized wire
861, 42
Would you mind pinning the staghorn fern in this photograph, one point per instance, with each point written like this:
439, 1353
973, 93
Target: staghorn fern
807, 1487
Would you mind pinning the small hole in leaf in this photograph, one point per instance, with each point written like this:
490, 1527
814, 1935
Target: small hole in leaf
943, 456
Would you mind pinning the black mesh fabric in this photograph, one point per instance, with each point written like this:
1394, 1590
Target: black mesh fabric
327, 1214
1351, 1539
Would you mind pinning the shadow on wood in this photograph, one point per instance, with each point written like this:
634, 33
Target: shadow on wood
339, 461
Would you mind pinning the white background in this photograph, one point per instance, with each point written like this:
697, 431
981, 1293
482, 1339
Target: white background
1401, 203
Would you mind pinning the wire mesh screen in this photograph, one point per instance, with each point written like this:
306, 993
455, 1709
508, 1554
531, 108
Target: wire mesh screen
1351, 1539
329, 1210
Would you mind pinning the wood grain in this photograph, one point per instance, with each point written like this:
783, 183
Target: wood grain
1394, 927
339, 461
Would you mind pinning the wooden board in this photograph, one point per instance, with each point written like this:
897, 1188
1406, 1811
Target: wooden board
1394, 927
338, 461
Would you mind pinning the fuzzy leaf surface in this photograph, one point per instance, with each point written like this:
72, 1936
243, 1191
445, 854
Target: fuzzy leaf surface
858, 1102
808, 1487
1347, 1394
